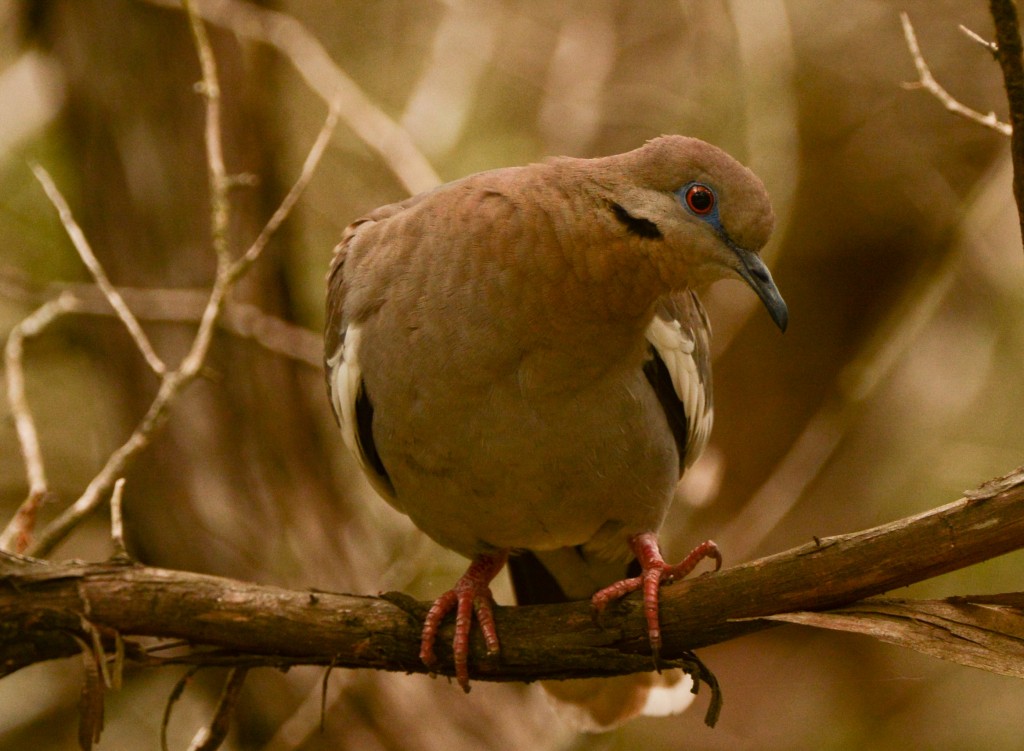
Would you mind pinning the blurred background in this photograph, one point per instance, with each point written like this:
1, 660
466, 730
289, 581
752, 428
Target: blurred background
897, 386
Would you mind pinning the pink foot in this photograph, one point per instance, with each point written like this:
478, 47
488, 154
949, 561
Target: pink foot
471, 593
655, 573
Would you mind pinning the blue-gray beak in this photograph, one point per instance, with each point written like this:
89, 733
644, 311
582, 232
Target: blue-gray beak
756, 274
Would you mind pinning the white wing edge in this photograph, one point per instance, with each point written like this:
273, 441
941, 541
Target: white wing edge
346, 376
676, 349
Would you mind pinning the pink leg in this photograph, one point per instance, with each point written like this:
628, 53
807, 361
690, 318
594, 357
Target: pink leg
471, 593
655, 572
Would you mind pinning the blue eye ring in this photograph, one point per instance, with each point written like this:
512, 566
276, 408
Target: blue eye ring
699, 199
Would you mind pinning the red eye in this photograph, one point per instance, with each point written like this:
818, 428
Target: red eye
700, 199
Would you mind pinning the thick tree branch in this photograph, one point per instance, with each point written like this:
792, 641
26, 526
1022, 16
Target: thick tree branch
47, 610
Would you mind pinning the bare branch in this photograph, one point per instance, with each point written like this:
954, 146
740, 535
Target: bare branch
174, 381
226, 278
232, 623
178, 305
16, 535
976, 37
91, 262
274, 334
212, 736
228, 272
927, 82
172, 699
117, 520
14, 351
241, 319
218, 177
90, 703
304, 51
117, 465
309, 166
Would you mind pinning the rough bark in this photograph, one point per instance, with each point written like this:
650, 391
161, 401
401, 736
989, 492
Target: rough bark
43, 606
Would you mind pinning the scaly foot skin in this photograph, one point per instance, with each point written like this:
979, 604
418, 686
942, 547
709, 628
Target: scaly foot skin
471, 593
655, 572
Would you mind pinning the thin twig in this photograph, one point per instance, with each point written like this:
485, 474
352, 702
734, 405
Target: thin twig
117, 521
974, 36
14, 352
92, 263
218, 176
228, 273
323, 695
927, 82
241, 319
17, 535
172, 699
225, 279
274, 334
90, 702
242, 264
116, 465
304, 51
179, 305
18, 532
309, 715
219, 205
170, 386
212, 736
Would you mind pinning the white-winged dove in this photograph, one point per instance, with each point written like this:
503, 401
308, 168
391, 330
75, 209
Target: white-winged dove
519, 361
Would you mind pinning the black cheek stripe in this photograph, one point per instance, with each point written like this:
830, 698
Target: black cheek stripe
636, 225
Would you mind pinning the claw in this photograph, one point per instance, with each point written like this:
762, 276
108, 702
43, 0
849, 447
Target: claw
471, 593
655, 573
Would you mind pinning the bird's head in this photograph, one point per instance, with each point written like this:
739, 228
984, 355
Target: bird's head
705, 216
